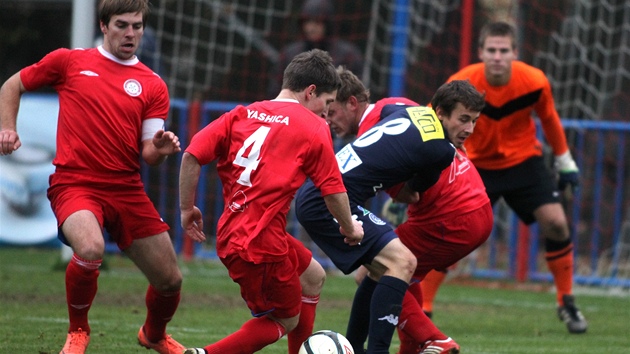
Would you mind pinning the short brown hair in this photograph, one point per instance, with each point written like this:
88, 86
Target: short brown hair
109, 8
351, 85
314, 67
458, 91
497, 29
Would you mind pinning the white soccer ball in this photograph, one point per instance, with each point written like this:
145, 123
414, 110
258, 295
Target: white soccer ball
326, 342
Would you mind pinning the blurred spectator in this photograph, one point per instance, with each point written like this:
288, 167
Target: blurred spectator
316, 19
148, 51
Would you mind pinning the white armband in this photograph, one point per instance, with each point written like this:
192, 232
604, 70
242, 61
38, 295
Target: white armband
150, 127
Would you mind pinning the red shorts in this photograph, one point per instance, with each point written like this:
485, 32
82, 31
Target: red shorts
272, 288
126, 213
303, 254
441, 244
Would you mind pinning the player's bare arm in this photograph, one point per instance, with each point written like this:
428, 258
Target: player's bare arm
164, 143
10, 94
339, 207
191, 218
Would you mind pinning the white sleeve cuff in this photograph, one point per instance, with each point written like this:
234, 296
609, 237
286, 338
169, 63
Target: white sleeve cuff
150, 127
565, 162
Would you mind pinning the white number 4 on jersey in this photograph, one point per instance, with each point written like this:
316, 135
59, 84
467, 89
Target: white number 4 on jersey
250, 162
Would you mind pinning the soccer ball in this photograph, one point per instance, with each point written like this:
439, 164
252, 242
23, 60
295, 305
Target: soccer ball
326, 342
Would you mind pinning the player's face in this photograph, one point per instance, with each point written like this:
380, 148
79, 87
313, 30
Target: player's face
497, 55
314, 31
341, 119
320, 104
459, 124
123, 34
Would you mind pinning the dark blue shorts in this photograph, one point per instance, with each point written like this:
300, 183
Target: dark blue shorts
324, 231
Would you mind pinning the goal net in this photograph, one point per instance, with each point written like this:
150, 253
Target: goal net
587, 58
226, 49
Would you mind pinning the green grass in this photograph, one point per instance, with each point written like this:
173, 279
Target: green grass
482, 319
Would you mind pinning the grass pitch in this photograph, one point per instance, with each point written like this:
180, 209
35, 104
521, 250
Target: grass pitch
483, 317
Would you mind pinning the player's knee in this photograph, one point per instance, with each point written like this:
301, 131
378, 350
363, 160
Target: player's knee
312, 280
89, 250
175, 282
401, 261
556, 230
289, 324
406, 264
410, 263
171, 281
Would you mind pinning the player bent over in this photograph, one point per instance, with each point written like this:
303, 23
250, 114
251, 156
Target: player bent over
408, 144
265, 151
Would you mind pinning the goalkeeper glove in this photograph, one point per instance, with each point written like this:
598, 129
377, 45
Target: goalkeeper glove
568, 172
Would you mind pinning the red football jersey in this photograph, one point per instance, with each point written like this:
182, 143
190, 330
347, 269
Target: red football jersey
458, 191
102, 103
265, 151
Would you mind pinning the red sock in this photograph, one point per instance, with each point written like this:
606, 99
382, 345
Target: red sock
160, 309
81, 286
416, 325
560, 264
407, 344
305, 327
430, 286
254, 335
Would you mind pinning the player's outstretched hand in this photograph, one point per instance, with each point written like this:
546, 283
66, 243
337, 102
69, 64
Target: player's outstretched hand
192, 222
353, 238
166, 142
9, 141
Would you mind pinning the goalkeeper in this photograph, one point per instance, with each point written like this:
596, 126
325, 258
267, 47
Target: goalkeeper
508, 155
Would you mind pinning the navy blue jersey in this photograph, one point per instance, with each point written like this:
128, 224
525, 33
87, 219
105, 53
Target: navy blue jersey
407, 144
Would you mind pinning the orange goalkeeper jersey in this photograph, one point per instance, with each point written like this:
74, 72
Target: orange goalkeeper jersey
505, 134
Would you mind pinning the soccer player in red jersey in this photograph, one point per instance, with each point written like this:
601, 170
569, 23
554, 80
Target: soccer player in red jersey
265, 152
112, 110
453, 217
509, 158
448, 220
